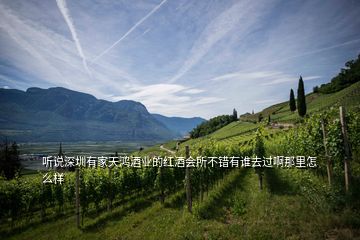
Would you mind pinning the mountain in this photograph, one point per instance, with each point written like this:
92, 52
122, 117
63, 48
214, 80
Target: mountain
179, 125
60, 114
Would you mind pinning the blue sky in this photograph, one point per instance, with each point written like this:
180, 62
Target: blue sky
178, 57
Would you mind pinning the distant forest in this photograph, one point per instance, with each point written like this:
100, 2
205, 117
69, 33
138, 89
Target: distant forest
347, 76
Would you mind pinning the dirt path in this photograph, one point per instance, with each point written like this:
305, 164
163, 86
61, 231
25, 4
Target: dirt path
165, 149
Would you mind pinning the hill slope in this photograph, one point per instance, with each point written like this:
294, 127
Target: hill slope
59, 114
180, 125
242, 131
349, 97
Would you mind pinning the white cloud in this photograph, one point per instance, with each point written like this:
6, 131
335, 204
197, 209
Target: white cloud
245, 75
265, 78
284, 78
53, 60
311, 78
157, 7
194, 91
14, 83
208, 100
169, 99
242, 15
65, 13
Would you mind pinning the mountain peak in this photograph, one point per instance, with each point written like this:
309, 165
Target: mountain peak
60, 114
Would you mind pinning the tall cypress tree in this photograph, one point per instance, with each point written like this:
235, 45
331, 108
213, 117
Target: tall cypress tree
235, 117
292, 102
301, 101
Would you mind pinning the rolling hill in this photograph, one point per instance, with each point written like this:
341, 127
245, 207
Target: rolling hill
59, 114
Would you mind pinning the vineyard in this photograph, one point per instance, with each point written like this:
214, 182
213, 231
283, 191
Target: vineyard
223, 199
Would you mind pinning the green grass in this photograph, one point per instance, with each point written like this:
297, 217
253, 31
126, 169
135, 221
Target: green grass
234, 129
277, 212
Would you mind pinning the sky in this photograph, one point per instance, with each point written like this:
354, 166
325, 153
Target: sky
178, 57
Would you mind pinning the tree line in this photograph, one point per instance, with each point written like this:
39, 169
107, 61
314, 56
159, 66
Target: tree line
347, 76
213, 124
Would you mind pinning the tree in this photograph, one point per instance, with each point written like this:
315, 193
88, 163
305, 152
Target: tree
260, 117
315, 89
347, 76
60, 154
301, 101
292, 101
259, 152
211, 125
235, 116
9, 160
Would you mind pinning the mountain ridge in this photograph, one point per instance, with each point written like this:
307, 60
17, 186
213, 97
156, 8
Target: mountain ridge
61, 114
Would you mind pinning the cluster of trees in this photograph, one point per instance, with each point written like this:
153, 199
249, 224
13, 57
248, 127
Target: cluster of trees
213, 124
9, 160
347, 76
300, 104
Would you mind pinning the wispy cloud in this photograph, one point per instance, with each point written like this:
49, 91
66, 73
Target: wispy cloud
50, 59
308, 78
287, 78
265, 78
185, 58
145, 32
242, 14
158, 97
67, 17
15, 83
308, 53
194, 91
23, 35
129, 31
245, 75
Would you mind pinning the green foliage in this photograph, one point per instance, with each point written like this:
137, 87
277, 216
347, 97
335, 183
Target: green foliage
348, 75
292, 102
212, 125
23, 196
235, 115
301, 100
259, 147
259, 152
164, 181
9, 160
315, 89
206, 208
307, 140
